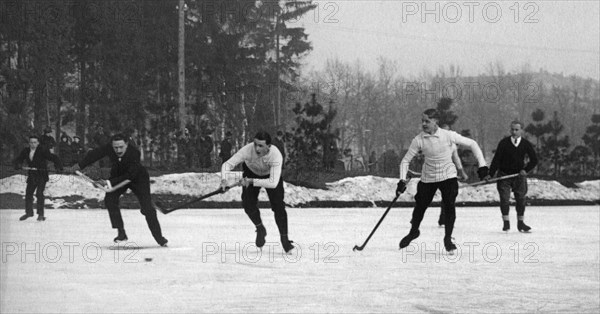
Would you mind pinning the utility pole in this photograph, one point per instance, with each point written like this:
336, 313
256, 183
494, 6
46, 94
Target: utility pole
278, 111
181, 64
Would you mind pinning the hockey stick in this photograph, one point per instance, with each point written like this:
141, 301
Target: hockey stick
36, 169
360, 248
493, 180
100, 186
165, 211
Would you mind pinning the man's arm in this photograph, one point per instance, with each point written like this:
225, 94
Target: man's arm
410, 154
236, 159
94, 155
17, 162
472, 145
274, 176
533, 160
457, 162
496, 159
54, 158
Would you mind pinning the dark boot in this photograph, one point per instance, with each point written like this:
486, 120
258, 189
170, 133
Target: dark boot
448, 244
162, 242
41, 218
261, 233
286, 243
522, 227
121, 236
506, 226
25, 217
413, 234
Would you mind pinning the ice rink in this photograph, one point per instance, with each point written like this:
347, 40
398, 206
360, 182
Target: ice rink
69, 264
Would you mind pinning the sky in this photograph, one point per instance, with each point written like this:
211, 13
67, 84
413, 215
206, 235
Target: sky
558, 36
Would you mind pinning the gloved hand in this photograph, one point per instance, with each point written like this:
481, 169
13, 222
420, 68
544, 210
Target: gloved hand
401, 187
483, 173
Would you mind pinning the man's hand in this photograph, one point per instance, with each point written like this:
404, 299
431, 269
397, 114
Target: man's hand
483, 173
401, 187
523, 173
223, 185
462, 175
245, 182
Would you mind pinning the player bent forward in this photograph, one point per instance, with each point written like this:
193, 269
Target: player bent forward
126, 165
439, 172
261, 168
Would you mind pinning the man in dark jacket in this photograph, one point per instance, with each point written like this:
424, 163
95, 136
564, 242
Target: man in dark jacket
37, 176
509, 159
226, 147
46, 140
126, 165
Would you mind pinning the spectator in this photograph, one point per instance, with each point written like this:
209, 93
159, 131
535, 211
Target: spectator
47, 141
65, 150
279, 142
77, 149
226, 147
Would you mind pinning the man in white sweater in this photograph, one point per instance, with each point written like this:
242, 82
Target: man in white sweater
261, 168
439, 172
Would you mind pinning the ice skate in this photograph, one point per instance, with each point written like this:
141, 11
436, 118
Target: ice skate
163, 242
121, 236
413, 234
522, 227
25, 217
450, 247
261, 233
287, 244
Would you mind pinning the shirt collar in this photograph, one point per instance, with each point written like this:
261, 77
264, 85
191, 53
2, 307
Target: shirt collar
436, 134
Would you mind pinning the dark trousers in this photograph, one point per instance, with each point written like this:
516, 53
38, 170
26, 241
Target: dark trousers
518, 185
425, 193
37, 185
250, 201
142, 192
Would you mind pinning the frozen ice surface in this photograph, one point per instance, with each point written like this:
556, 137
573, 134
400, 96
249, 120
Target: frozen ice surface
69, 264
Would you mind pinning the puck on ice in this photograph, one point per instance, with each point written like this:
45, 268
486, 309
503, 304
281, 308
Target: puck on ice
148, 259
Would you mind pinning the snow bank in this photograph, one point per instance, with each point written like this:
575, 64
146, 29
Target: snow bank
363, 188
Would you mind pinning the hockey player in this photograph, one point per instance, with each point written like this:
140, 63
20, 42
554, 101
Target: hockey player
262, 163
439, 172
36, 157
126, 165
509, 159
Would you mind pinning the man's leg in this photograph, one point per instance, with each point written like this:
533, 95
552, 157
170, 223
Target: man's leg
449, 189
278, 206
142, 192
442, 219
39, 194
31, 186
425, 193
111, 200
250, 204
520, 191
504, 187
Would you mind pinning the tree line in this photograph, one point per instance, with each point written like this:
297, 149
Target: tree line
76, 65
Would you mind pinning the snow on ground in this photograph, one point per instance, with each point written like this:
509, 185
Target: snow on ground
68, 263
363, 188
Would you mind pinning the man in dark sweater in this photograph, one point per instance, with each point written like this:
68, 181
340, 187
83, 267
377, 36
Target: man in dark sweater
126, 165
510, 159
37, 176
